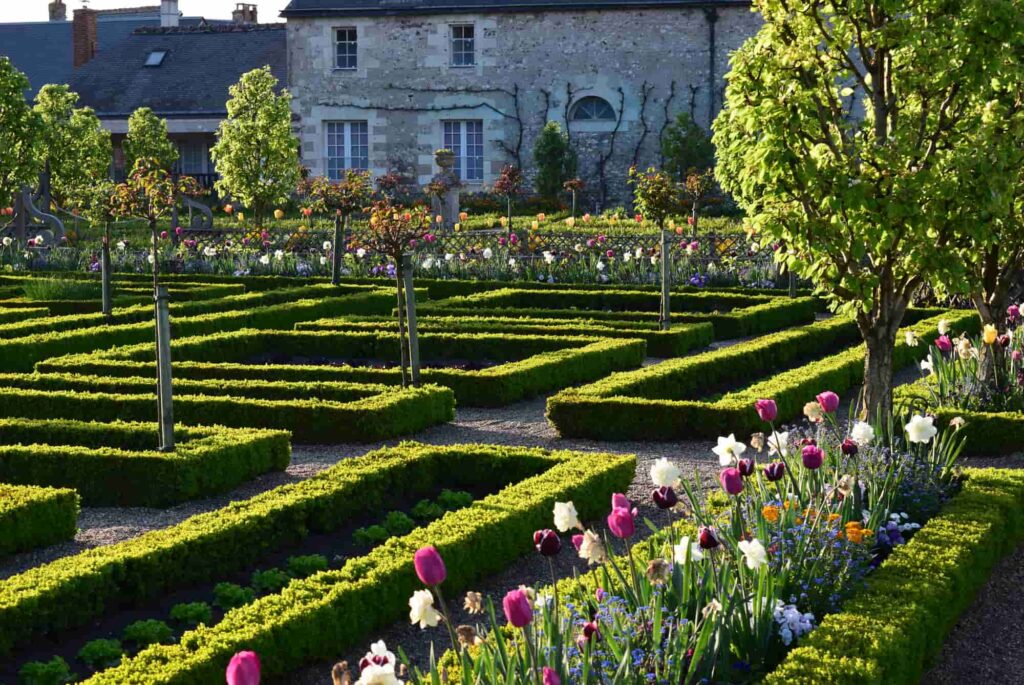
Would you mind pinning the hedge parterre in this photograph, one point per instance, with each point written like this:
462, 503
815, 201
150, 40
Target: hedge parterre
8, 316
987, 433
118, 464
310, 617
33, 516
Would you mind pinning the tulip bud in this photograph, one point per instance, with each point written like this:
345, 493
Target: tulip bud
577, 541
731, 480
745, 467
590, 629
849, 447
813, 457
517, 608
665, 497
767, 410
775, 471
1004, 341
429, 566
1016, 355
944, 343
828, 401
547, 542
243, 669
706, 538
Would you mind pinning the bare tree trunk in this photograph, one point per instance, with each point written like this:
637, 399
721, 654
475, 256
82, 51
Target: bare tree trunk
876, 395
402, 341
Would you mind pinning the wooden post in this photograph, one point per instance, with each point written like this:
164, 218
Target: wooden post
336, 253
410, 305
792, 282
21, 220
105, 290
666, 282
163, 371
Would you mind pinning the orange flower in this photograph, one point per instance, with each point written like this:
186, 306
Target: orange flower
770, 513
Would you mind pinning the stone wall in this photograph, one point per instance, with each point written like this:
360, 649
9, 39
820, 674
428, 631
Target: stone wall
530, 68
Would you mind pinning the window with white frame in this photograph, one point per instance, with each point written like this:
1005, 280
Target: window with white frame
347, 146
463, 45
346, 48
192, 157
466, 140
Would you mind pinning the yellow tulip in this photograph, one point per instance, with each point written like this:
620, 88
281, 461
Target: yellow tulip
241, 217
990, 334
535, 225
278, 214
458, 227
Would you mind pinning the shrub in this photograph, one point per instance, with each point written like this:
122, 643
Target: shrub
555, 159
230, 596
371, 536
271, 580
53, 672
305, 566
192, 614
148, 632
399, 523
101, 654
454, 499
33, 516
425, 510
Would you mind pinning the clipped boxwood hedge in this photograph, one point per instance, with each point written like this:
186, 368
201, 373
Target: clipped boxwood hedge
315, 616
8, 316
313, 412
117, 464
987, 433
666, 401
33, 516
131, 296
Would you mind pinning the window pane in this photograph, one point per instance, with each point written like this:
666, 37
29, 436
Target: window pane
360, 146
463, 45
593, 108
346, 48
466, 140
335, 149
453, 141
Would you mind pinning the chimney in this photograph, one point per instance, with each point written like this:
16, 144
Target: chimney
58, 11
245, 13
169, 14
83, 36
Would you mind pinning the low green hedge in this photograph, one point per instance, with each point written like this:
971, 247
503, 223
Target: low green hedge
889, 633
117, 464
531, 364
127, 297
672, 343
32, 517
315, 616
986, 433
8, 316
602, 299
671, 400
313, 412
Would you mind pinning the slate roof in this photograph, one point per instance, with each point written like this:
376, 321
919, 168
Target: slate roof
193, 80
306, 8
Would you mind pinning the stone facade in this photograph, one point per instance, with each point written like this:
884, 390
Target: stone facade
529, 68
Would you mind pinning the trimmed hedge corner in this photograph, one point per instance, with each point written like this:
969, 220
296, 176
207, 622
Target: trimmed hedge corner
987, 433
33, 516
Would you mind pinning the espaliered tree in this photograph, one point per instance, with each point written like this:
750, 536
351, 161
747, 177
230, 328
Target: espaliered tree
844, 129
19, 133
256, 155
147, 139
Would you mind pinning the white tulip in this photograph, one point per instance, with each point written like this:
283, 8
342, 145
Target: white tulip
600, 266
862, 433
488, 253
664, 473
373, 674
943, 326
327, 246
121, 245
264, 259
323, 260
566, 517
428, 263
449, 256
921, 429
278, 255
754, 553
592, 548
728, 449
512, 262
7, 241
685, 547
150, 258
210, 251
422, 611
548, 257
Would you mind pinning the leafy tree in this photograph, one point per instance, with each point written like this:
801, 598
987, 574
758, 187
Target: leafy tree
19, 133
555, 159
867, 207
256, 154
657, 195
147, 139
509, 184
686, 146
74, 146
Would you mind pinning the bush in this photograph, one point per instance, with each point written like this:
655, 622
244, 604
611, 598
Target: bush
371, 536
398, 523
53, 672
425, 510
191, 614
271, 580
454, 499
231, 596
101, 654
305, 566
35, 517
149, 632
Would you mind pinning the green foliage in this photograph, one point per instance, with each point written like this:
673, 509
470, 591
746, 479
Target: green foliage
270, 580
19, 133
53, 672
398, 523
307, 565
72, 141
657, 195
191, 614
231, 596
60, 289
100, 654
686, 146
256, 154
148, 632
452, 500
555, 160
425, 510
371, 536
33, 516
147, 139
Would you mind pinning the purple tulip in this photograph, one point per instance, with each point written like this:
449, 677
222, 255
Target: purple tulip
706, 538
620, 501
550, 677
590, 629
600, 594
429, 566
243, 669
1004, 341
547, 542
577, 541
745, 467
1017, 356
1013, 313
163, 235
731, 480
767, 410
849, 447
665, 497
813, 457
775, 471
944, 343
517, 608
621, 523
828, 401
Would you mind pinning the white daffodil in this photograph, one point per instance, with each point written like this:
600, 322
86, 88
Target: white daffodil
279, 255
927, 365
778, 443
921, 429
639, 252
600, 266
422, 611
664, 473
327, 246
361, 252
728, 449
754, 553
862, 433
323, 260
685, 546
512, 262
548, 257
449, 256
566, 517
264, 259
911, 338
210, 251
428, 263
121, 245
943, 326
488, 253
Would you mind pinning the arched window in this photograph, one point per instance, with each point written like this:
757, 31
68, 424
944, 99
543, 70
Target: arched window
592, 108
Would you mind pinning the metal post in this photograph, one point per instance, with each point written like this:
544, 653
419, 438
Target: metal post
163, 371
106, 290
792, 282
666, 282
410, 306
336, 253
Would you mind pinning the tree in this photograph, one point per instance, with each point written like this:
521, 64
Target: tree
686, 146
509, 184
74, 146
256, 154
147, 139
555, 159
657, 195
865, 206
19, 133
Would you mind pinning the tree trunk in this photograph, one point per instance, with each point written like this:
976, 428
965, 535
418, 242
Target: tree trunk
402, 342
876, 395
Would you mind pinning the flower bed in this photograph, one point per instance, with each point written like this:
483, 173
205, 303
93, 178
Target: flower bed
988, 433
672, 343
313, 412
117, 464
314, 616
526, 365
663, 402
33, 516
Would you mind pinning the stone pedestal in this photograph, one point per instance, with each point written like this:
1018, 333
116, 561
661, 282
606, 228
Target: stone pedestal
446, 205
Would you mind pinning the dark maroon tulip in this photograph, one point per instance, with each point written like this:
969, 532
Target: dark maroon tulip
775, 471
429, 566
731, 480
813, 457
547, 542
665, 497
808, 441
1004, 341
590, 629
745, 467
707, 538
849, 447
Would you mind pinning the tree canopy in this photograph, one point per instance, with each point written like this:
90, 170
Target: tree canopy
555, 160
19, 133
147, 139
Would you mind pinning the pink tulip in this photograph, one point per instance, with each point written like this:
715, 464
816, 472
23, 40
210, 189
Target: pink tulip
828, 401
621, 523
731, 480
550, 676
577, 541
620, 501
513, 239
517, 608
813, 457
767, 410
944, 343
243, 669
609, 254
178, 230
429, 566
163, 235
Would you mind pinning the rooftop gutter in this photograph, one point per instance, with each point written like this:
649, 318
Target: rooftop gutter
525, 6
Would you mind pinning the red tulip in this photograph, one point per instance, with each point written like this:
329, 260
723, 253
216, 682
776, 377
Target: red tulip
517, 608
707, 538
429, 566
731, 480
243, 669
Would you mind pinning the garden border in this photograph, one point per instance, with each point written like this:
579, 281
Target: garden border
33, 516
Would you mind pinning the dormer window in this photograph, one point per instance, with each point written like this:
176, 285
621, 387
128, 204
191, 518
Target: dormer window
463, 45
346, 48
155, 58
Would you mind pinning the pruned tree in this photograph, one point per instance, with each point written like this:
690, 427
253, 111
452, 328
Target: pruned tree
19, 133
555, 160
509, 185
147, 139
686, 146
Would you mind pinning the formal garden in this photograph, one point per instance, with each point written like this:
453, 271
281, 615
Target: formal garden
763, 424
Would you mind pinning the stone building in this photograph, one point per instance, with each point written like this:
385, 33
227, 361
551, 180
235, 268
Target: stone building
381, 84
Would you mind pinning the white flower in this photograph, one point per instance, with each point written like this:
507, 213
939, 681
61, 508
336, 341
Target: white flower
911, 338
679, 552
754, 553
627, 257
654, 260
361, 252
40, 239
639, 252
943, 326
728, 449
664, 473
548, 257
449, 256
778, 443
512, 262
862, 433
278, 255
264, 259
488, 253
592, 548
921, 429
323, 260
579, 247
378, 675
121, 245
566, 517
428, 263
543, 601
421, 609
927, 365
210, 251
150, 258
379, 654
7, 241
327, 246
600, 266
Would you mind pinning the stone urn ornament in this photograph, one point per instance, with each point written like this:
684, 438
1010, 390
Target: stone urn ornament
444, 189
